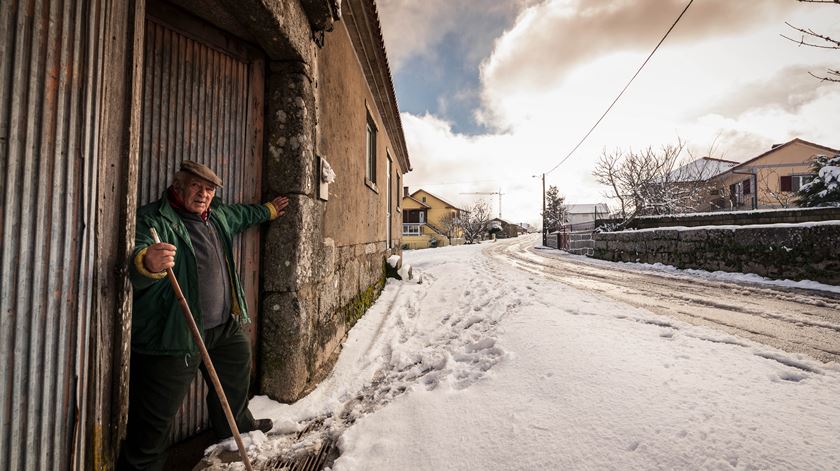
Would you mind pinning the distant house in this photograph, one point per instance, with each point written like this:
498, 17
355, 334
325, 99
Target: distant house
577, 214
505, 229
701, 169
769, 180
429, 220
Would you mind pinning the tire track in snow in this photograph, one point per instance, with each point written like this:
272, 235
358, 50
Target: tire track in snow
794, 320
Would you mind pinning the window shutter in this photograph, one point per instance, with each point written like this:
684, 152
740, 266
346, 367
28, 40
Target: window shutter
786, 183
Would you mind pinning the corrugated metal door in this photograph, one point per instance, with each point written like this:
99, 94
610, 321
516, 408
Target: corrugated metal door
47, 203
202, 101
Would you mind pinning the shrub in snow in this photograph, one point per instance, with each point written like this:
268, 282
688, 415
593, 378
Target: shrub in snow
824, 189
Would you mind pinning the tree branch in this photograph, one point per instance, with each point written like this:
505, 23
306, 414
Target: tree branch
835, 44
828, 79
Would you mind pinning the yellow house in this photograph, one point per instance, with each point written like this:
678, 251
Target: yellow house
769, 180
429, 221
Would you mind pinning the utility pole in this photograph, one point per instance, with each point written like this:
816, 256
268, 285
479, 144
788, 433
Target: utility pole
544, 229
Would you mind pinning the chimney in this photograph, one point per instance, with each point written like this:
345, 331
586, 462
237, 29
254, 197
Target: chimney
405, 191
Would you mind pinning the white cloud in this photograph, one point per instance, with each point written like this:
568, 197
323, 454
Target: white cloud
411, 27
726, 77
414, 28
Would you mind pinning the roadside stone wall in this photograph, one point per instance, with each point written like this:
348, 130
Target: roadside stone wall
741, 218
777, 251
581, 243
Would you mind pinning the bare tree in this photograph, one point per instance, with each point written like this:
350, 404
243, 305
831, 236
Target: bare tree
655, 181
475, 221
810, 38
451, 224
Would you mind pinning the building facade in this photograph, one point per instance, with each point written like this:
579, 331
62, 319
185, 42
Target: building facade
769, 180
101, 101
429, 221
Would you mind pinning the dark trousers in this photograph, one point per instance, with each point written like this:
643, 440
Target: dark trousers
160, 382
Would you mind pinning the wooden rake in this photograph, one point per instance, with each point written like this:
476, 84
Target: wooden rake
185, 309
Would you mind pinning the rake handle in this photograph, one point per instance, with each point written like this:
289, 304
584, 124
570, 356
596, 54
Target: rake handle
205, 356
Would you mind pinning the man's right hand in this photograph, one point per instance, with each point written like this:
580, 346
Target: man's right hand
159, 257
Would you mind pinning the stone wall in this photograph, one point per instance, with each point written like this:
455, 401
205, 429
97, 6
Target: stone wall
316, 283
800, 251
581, 243
306, 325
741, 218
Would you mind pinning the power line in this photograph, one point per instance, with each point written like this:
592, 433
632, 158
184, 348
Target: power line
474, 182
622, 90
456, 183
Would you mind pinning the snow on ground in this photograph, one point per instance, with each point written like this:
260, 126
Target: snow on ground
483, 366
687, 273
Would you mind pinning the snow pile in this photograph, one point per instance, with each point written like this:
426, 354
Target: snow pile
735, 227
394, 260
485, 366
824, 189
738, 277
830, 175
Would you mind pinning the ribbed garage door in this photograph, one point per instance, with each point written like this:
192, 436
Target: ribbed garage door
202, 101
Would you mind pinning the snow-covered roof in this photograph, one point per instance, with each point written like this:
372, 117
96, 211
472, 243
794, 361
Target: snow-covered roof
601, 208
701, 169
506, 222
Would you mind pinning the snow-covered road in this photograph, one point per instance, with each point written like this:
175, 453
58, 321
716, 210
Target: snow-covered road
792, 319
493, 363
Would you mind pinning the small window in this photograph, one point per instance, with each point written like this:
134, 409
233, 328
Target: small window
424, 199
411, 229
370, 159
785, 183
793, 183
798, 181
746, 185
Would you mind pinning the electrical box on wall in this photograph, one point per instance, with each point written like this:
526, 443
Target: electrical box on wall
326, 175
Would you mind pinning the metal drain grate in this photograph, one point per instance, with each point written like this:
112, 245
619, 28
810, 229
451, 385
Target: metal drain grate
315, 460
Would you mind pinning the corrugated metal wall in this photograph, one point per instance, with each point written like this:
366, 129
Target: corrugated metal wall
49, 89
197, 105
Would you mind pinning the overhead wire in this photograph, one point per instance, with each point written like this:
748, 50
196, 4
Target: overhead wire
622, 90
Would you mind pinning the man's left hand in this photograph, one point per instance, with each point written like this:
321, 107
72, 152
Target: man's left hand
280, 204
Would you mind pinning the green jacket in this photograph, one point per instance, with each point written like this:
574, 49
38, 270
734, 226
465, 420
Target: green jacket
158, 325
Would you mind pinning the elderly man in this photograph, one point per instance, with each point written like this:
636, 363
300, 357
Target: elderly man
196, 231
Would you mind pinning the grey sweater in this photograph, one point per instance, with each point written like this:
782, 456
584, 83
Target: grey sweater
214, 280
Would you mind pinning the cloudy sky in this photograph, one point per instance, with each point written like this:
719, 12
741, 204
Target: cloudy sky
495, 91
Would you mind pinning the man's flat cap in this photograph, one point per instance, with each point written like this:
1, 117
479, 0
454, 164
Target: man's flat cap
202, 171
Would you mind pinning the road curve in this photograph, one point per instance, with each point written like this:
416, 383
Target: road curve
791, 319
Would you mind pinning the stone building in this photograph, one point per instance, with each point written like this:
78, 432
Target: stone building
101, 100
